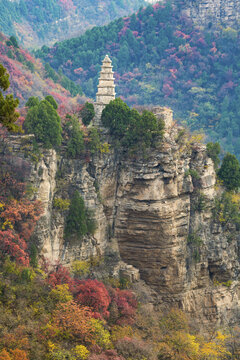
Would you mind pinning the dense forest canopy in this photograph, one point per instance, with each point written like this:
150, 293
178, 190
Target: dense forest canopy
160, 57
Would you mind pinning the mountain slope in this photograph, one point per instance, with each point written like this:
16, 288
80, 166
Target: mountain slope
29, 77
160, 57
38, 22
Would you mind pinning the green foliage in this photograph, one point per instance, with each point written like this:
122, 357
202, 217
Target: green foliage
87, 113
213, 150
51, 101
43, 121
32, 101
61, 204
33, 255
193, 238
226, 211
8, 105
78, 221
194, 174
229, 172
200, 202
13, 41
75, 145
132, 130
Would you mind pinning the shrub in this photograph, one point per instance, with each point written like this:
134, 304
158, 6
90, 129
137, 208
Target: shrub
71, 320
61, 204
80, 268
200, 202
93, 294
194, 174
133, 349
82, 352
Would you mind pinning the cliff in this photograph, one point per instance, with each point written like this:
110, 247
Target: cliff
150, 218
213, 12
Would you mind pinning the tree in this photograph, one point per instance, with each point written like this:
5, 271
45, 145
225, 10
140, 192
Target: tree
93, 294
116, 117
43, 121
213, 150
229, 172
76, 219
87, 113
8, 105
75, 145
52, 101
32, 101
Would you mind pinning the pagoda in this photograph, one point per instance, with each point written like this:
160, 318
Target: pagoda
106, 89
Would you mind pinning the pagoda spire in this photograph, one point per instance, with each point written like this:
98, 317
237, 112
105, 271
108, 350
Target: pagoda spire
106, 88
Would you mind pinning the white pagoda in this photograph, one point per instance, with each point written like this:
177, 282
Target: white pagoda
106, 89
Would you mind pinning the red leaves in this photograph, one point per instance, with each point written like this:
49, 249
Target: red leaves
22, 215
12, 244
94, 294
60, 276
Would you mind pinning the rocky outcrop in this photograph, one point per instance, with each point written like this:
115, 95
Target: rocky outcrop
154, 217
213, 12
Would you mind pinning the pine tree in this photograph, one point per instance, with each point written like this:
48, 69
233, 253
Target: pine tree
8, 105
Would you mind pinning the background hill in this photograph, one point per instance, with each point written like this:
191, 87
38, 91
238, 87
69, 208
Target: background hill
29, 77
38, 22
161, 57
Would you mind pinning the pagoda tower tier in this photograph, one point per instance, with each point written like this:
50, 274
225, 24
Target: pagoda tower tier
106, 89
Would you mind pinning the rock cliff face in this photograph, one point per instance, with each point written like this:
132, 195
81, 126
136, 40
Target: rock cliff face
213, 12
148, 211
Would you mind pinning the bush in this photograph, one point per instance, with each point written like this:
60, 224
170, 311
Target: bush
61, 204
133, 349
93, 294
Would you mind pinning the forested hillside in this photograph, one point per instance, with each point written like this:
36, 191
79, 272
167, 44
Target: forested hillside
29, 77
160, 57
46, 21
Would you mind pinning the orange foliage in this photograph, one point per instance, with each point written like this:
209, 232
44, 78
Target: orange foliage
4, 355
72, 321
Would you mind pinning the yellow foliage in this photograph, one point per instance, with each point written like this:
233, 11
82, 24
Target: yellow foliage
119, 332
104, 148
81, 352
61, 294
235, 198
80, 267
7, 224
101, 335
2, 205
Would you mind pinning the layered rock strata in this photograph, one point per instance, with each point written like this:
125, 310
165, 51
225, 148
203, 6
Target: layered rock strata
148, 215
